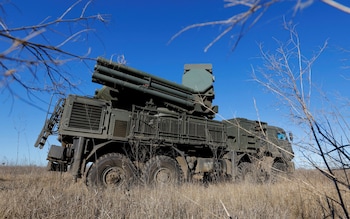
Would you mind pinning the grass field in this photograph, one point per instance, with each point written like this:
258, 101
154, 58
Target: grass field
32, 192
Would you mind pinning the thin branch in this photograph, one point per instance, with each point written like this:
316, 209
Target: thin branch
43, 59
284, 74
72, 36
337, 5
69, 9
240, 19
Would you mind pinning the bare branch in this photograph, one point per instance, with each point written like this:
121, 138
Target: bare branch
69, 9
252, 12
38, 55
72, 36
84, 9
337, 5
287, 73
239, 19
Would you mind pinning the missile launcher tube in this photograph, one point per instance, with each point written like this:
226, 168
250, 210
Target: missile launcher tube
150, 83
116, 75
135, 72
113, 81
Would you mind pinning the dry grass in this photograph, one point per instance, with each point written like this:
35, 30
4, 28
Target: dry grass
31, 192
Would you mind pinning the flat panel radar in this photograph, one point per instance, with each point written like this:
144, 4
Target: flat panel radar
199, 77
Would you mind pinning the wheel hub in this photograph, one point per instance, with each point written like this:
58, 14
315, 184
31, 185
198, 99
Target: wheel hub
114, 176
163, 175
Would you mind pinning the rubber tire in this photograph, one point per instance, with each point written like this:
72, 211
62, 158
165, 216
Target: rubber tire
246, 173
278, 172
50, 166
112, 170
162, 170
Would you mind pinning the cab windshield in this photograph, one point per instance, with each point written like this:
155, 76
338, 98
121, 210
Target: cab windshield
281, 136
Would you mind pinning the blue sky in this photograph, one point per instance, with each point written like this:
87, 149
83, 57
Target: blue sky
141, 30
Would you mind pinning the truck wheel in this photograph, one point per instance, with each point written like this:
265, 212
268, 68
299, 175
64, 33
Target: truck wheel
50, 166
162, 170
278, 172
246, 173
112, 170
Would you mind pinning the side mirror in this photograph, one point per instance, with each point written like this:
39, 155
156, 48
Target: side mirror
290, 136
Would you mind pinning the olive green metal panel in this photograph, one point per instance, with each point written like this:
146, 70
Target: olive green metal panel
245, 134
119, 124
198, 77
279, 143
83, 116
178, 129
249, 136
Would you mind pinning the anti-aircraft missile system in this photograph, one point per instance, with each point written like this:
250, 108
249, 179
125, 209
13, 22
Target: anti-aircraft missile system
142, 128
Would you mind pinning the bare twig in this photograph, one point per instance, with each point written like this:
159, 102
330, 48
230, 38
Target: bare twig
40, 57
287, 73
241, 19
249, 16
337, 5
228, 214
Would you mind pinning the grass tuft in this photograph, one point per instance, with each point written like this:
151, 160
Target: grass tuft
32, 192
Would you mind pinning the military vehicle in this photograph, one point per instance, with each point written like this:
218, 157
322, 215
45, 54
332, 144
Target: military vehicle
142, 128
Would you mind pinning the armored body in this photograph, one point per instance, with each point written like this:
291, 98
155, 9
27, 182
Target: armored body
139, 127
